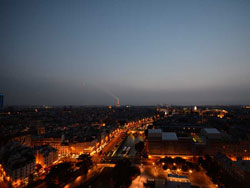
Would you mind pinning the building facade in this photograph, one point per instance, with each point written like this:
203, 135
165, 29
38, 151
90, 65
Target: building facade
45, 155
167, 143
212, 142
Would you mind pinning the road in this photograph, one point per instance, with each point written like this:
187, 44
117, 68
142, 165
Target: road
130, 142
109, 147
201, 179
113, 143
81, 179
96, 159
146, 172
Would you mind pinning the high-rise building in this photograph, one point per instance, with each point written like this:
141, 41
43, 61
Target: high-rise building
1, 101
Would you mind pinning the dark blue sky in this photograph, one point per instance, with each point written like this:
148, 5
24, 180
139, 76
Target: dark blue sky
145, 52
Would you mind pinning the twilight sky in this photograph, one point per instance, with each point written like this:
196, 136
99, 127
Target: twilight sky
188, 52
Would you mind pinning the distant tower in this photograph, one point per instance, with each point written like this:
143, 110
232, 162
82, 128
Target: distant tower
1, 102
118, 103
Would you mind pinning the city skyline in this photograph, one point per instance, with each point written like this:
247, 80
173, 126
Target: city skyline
144, 52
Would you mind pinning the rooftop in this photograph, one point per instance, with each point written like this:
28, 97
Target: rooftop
244, 165
14, 155
154, 131
45, 149
173, 184
177, 176
211, 131
169, 136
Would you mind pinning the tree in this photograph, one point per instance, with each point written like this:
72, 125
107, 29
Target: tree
134, 172
139, 147
165, 167
58, 173
179, 160
31, 178
169, 160
184, 168
208, 158
200, 160
124, 173
197, 168
85, 163
38, 167
146, 133
83, 157
174, 168
190, 165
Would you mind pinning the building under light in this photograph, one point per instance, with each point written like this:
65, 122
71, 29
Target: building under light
45, 155
17, 162
167, 143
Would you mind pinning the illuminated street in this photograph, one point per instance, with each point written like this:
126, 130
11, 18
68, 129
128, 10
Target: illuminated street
109, 147
201, 179
80, 179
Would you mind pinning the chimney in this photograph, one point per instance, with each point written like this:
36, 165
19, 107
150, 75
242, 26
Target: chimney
118, 103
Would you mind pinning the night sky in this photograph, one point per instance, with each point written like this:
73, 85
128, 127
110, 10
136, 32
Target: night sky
188, 52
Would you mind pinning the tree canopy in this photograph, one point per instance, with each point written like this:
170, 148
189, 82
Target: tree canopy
139, 147
124, 173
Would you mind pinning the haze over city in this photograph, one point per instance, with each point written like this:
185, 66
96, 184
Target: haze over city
145, 52
125, 94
